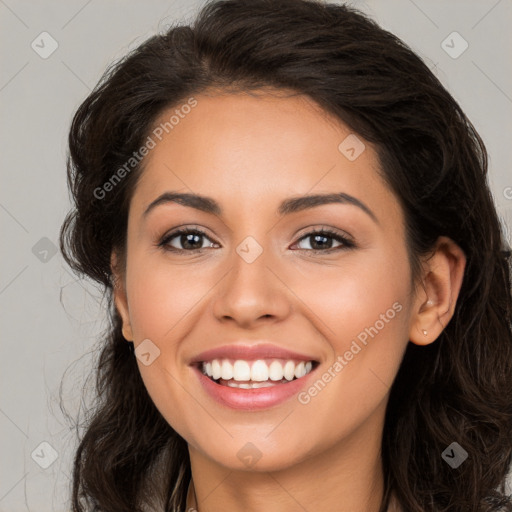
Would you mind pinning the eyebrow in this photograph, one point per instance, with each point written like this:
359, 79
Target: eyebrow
288, 206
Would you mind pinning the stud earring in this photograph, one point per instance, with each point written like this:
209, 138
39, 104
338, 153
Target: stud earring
424, 332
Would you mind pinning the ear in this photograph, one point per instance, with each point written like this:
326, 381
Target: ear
120, 299
438, 293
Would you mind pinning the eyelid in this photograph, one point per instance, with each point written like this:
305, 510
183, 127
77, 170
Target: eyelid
325, 229
342, 237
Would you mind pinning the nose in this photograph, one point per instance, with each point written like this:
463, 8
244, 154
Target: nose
252, 292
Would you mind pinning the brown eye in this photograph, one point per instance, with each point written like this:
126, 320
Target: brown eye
189, 239
322, 240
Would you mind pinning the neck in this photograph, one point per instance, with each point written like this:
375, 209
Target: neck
345, 477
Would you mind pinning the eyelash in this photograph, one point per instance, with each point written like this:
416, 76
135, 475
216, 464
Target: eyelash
347, 244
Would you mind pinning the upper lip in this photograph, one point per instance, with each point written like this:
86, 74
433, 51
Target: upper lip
249, 353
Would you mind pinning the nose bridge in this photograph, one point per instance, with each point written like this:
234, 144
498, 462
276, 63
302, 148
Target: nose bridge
249, 275
250, 260
250, 290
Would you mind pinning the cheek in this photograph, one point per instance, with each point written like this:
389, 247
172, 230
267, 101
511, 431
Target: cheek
346, 298
362, 311
160, 295
367, 333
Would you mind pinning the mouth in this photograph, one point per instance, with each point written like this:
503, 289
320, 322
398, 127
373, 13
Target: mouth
255, 374
253, 377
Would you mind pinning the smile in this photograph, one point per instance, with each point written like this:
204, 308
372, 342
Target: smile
254, 376
253, 385
246, 374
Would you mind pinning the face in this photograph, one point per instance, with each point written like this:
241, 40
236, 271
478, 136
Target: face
259, 273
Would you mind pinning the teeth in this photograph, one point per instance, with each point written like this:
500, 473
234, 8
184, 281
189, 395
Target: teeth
252, 385
255, 373
241, 370
227, 370
275, 371
259, 371
300, 370
289, 370
216, 370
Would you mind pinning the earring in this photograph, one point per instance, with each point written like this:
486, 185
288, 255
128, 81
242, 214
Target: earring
424, 332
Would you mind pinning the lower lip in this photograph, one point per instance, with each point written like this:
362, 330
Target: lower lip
252, 399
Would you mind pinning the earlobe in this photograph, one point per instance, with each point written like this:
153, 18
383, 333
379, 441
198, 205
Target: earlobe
120, 298
435, 304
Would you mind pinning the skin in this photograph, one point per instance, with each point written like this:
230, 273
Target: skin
249, 152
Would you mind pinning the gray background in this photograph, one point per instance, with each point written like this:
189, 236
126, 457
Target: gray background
50, 320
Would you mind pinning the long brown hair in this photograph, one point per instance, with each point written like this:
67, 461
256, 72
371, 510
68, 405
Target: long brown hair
458, 389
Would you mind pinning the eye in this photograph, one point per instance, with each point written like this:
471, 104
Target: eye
189, 239
321, 241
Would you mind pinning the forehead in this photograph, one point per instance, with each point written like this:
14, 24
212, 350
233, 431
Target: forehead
240, 147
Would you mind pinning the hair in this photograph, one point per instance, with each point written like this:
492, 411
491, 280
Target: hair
457, 389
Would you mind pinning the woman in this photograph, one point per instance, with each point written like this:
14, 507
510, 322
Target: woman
310, 294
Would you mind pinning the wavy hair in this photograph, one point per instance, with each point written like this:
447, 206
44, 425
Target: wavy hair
456, 389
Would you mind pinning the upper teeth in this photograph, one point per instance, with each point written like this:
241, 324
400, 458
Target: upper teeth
258, 370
